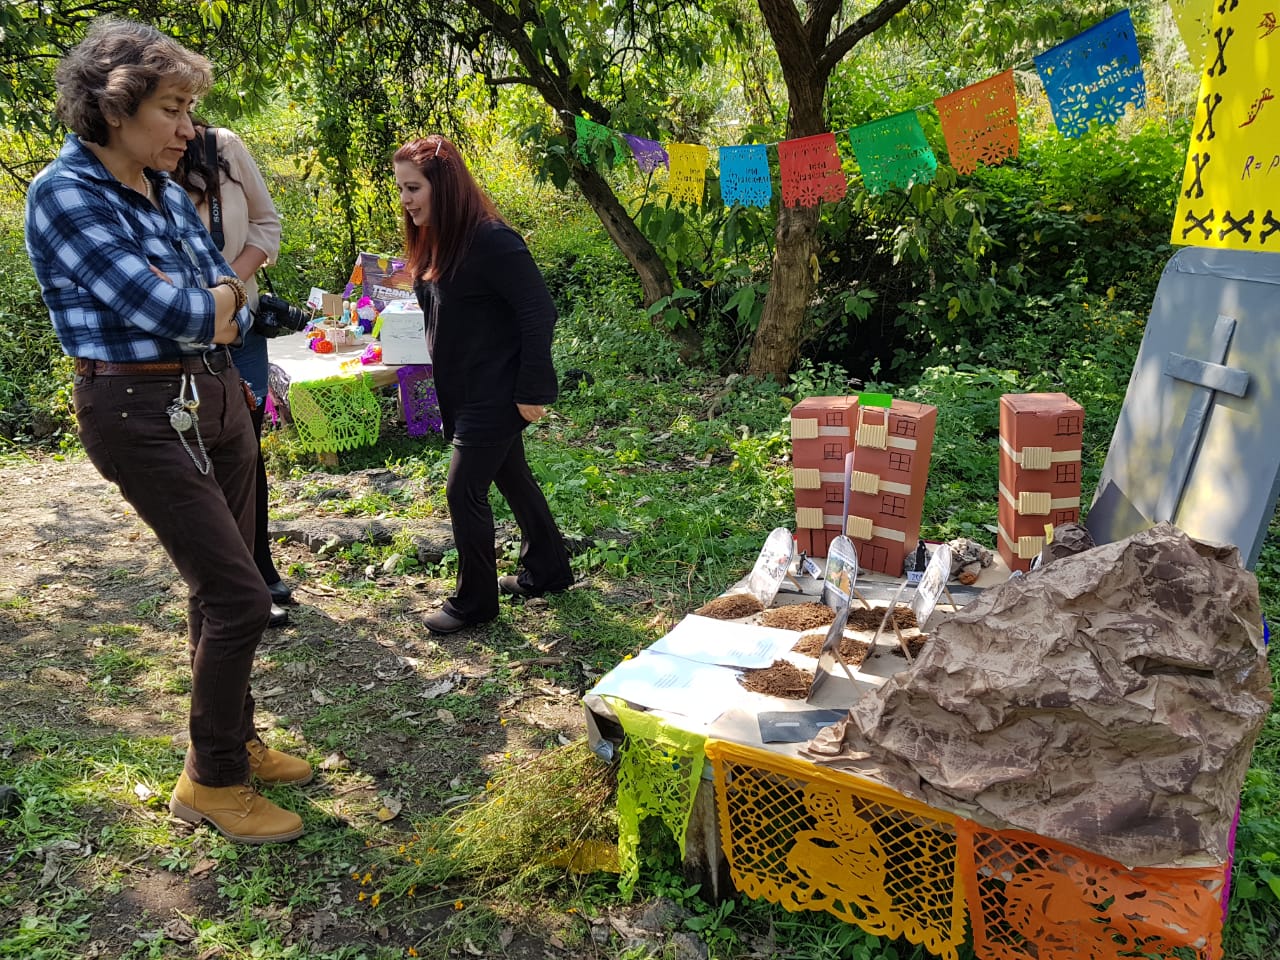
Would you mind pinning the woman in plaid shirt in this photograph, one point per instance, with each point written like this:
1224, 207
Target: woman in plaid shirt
140, 296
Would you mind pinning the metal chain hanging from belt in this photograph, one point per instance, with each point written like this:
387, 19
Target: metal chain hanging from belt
184, 415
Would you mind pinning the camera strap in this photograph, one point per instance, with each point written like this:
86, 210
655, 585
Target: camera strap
213, 192
262, 272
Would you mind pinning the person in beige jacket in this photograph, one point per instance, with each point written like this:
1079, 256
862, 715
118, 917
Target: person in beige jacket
249, 236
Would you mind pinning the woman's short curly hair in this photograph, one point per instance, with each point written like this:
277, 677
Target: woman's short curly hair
115, 67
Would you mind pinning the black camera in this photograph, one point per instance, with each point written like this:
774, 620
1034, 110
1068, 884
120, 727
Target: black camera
276, 316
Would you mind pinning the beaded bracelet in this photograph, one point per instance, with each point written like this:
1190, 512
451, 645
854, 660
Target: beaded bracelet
237, 286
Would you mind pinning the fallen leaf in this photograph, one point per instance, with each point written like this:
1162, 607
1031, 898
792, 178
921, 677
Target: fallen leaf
320, 697
446, 717
178, 930
57, 675
201, 867
438, 689
335, 761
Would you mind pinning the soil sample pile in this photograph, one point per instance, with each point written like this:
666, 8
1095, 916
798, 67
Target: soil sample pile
799, 616
914, 643
731, 607
860, 618
781, 679
852, 650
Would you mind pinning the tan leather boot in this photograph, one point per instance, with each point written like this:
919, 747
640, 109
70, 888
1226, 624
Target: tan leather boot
239, 813
274, 767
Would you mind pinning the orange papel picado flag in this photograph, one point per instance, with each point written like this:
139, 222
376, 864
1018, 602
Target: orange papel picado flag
980, 123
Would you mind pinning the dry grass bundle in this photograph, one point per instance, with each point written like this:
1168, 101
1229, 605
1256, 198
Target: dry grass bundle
554, 810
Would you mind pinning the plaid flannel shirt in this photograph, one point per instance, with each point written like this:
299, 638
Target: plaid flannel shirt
92, 242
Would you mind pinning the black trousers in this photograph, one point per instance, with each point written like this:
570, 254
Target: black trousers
262, 539
544, 561
205, 524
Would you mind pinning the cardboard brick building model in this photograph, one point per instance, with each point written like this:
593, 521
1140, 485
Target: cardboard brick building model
879, 500
1040, 436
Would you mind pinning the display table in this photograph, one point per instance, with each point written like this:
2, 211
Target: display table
302, 364
331, 396
812, 837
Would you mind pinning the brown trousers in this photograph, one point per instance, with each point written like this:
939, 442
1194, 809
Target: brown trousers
206, 525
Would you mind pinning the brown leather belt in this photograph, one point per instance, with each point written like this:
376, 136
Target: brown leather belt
214, 362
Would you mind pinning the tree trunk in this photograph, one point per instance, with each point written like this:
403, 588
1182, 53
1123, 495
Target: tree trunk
777, 341
655, 280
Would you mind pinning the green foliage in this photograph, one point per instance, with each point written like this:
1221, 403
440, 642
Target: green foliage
34, 375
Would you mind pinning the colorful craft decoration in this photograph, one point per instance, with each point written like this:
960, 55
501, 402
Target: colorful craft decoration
1093, 76
688, 172
649, 154
380, 278
810, 170
590, 136
1229, 184
1195, 22
744, 175
980, 123
893, 152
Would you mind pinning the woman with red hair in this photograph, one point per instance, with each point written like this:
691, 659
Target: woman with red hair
489, 325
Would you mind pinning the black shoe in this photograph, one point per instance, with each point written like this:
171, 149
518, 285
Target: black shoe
511, 585
279, 617
280, 592
442, 621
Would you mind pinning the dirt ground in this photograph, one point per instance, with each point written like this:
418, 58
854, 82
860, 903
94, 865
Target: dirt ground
79, 572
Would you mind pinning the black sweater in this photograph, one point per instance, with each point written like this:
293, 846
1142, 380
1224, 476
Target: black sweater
490, 338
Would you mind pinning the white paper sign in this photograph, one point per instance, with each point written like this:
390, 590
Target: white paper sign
315, 299
771, 566
709, 640
698, 691
934, 581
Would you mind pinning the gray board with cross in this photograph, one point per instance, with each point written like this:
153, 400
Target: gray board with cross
1198, 439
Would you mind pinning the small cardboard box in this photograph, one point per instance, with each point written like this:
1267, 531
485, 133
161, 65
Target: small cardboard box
403, 335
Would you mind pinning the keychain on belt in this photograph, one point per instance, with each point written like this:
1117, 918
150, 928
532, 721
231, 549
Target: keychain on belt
184, 415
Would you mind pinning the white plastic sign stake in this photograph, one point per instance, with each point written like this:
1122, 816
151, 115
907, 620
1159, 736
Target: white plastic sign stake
842, 573
771, 567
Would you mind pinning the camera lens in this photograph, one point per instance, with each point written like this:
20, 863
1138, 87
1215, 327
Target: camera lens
295, 318
276, 315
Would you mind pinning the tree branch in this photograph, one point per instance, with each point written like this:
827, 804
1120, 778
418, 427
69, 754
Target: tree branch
864, 26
